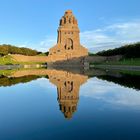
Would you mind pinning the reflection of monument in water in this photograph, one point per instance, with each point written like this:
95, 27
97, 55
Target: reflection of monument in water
68, 42
68, 86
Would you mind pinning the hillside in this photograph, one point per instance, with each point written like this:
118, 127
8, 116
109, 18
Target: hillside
127, 51
6, 49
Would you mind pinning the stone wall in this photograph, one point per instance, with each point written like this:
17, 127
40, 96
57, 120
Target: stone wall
95, 59
73, 61
98, 59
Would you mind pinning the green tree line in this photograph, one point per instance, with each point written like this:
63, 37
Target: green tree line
6, 49
128, 51
127, 80
5, 81
9, 81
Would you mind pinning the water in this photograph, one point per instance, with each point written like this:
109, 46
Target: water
39, 104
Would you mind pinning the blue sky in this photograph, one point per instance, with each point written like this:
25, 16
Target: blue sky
103, 24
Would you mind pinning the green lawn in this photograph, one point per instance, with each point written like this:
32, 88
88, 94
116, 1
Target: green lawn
42, 54
130, 72
6, 72
7, 60
131, 62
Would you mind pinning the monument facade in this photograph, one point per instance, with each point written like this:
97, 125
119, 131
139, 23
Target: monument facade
68, 42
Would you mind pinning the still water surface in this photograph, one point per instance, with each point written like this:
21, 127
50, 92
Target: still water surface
56, 104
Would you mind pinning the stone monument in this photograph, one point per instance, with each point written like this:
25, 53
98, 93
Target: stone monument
68, 42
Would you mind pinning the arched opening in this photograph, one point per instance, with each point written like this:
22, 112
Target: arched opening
69, 44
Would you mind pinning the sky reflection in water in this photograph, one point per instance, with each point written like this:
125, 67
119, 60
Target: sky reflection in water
105, 110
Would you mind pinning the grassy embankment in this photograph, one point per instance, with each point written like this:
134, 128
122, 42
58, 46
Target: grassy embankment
130, 55
8, 60
131, 61
6, 49
128, 62
137, 73
7, 72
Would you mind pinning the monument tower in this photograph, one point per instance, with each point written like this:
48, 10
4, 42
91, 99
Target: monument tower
68, 42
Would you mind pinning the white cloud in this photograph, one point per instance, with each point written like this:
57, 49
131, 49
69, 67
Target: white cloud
110, 93
43, 46
47, 43
45, 84
111, 36
104, 91
97, 40
127, 31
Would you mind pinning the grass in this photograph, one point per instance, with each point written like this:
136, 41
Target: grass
7, 72
7, 60
30, 63
131, 62
130, 72
42, 54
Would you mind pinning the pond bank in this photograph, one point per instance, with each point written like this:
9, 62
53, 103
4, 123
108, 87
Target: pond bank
111, 67
17, 66
117, 67
5, 67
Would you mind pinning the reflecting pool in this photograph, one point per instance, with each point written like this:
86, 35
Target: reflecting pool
40, 104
